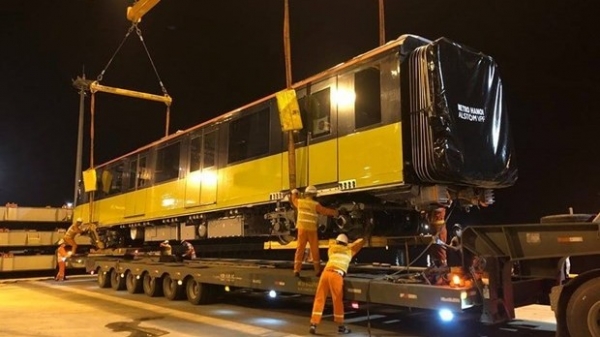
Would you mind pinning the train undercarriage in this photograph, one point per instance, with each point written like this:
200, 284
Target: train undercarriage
392, 212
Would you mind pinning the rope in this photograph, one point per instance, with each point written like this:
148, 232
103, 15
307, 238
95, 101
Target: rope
92, 111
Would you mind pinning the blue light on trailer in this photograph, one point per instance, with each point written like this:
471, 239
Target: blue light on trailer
446, 315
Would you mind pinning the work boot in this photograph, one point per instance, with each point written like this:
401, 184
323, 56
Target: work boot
319, 273
343, 329
297, 274
313, 329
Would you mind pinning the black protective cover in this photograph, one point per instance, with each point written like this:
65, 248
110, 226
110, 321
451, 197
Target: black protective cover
459, 122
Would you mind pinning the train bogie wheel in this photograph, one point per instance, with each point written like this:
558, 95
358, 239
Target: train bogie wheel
103, 279
152, 285
583, 310
133, 283
171, 288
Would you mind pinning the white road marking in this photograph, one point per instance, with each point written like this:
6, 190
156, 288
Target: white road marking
227, 324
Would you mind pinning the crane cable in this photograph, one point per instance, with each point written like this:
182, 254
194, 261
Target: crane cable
134, 26
138, 31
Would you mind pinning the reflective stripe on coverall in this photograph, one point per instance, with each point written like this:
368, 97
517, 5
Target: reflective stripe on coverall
61, 257
332, 281
307, 232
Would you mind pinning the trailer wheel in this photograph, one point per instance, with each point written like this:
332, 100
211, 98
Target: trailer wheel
197, 292
583, 310
103, 279
116, 281
171, 288
133, 284
152, 285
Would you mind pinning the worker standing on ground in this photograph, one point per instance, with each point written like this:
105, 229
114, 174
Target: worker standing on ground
306, 223
165, 248
61, 257
72, 232
332, 281
189, 251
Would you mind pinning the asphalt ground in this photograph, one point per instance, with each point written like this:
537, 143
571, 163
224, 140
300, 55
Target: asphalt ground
77, 307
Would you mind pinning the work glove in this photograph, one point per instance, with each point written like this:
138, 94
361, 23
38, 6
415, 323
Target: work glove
295, 191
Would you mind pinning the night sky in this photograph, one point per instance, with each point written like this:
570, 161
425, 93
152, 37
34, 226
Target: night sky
214, 56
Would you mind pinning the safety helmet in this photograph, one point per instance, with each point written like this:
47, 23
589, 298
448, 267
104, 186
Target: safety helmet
342, 238
60, 242
457, 226
310, 190
166, 241
79, 220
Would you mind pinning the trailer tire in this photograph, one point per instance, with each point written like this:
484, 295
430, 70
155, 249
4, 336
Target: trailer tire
197, 292
116, 281
152, 285
583, 310
171, 288
103, 279
133, 284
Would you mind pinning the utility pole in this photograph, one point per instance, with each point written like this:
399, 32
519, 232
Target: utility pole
381, 23
288, 84
82, 85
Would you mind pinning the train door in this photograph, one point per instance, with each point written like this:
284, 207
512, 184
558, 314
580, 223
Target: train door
316, 157
201, 182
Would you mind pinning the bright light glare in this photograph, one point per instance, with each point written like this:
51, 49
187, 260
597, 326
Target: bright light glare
167, 202
456, 280
344, 97
180, 282
446, 315
355, 305
272, 294
227, 289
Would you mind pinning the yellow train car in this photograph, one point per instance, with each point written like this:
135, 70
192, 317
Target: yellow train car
394, 132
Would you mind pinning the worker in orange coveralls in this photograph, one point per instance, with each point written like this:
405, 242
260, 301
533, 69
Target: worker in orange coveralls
61, 257
437, 219
74, 230
332, 281
306, 223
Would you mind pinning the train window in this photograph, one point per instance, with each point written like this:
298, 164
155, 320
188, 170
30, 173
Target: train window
167, 163
367, 105
132, 174
195, 155
112, 179
210, 148
315, 111
249, 136
143, 172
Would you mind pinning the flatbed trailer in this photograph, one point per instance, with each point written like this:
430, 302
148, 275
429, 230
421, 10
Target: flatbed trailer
505, 267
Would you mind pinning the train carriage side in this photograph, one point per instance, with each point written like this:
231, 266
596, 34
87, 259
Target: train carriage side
374, 138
